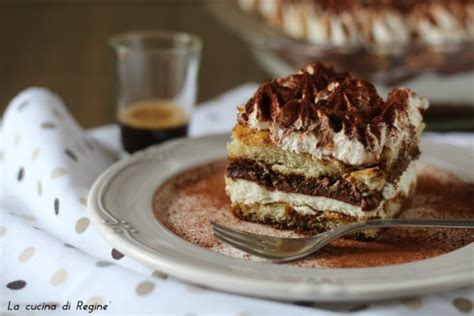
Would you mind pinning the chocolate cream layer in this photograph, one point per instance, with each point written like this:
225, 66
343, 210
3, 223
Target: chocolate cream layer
326, 186
250, 193
346, 189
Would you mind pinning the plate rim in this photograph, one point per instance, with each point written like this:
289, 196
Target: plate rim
326, 292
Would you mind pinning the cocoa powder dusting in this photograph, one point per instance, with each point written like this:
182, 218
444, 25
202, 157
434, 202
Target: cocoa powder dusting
188, 202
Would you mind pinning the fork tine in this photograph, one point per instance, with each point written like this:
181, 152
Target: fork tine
233, 230
239, 237
262, 254
239, 245
236, 232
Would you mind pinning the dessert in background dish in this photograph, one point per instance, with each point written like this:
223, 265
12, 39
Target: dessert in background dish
366, 23
319, 149
425, 45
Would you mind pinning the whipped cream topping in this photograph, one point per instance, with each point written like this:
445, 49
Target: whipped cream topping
269, 9
437, 23
350, 150
292, 21
247, 192
353, 27
331, 115
253, 121
248, 5
386, 28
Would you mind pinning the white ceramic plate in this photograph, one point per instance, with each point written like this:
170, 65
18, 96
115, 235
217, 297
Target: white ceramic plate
120, 206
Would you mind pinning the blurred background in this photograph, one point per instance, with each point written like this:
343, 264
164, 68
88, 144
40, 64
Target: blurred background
62, 45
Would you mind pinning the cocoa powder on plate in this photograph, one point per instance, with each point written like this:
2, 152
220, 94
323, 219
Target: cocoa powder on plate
189, 201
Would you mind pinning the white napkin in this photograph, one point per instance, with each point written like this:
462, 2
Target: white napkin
51, 253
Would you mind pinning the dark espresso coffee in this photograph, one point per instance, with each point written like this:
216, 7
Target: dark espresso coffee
150, 122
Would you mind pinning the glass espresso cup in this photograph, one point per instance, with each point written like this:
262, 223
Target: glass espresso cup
156, 83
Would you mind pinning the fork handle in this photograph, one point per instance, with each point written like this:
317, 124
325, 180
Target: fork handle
397, 222
325, 238
401, 222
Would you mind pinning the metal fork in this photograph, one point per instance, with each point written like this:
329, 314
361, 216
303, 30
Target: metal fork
282, 249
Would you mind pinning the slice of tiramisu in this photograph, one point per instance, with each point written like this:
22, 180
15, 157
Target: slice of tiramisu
319, 149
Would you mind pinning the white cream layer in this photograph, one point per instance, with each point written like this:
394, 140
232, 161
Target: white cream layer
344, 148
248, 192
